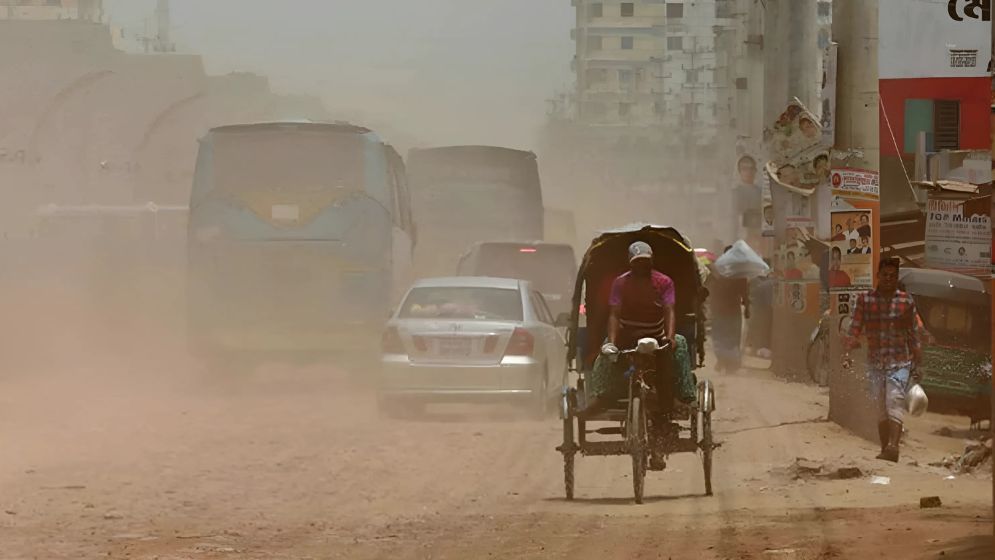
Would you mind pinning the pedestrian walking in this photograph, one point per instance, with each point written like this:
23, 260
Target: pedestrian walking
761, 320
888, 319
728, 303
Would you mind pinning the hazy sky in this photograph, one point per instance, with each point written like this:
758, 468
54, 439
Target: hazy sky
440, 71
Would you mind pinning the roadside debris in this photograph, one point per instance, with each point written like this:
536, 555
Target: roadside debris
977, 457
930, 502
805, 469
882, 480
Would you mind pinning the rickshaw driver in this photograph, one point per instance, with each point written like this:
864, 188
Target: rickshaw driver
642, 306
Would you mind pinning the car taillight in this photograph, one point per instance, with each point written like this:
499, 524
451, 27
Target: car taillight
390, 343
522, 343
420, 343
583, 309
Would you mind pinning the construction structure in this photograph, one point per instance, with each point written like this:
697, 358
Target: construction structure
646, 64
662, 93
85, 10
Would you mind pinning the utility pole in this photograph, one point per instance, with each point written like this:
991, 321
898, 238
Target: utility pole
791, 66
855, 29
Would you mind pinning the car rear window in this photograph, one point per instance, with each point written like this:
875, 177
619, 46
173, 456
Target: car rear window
475, 304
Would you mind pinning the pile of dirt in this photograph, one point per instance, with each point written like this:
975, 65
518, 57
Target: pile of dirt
977, 458
806, 469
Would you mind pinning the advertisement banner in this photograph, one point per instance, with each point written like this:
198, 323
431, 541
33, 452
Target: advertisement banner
959, 234
856, 183
934, 39
851, 259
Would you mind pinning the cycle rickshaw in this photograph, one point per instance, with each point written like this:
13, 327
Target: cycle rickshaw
607, 258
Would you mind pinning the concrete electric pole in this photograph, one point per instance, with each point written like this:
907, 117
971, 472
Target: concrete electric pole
855, 29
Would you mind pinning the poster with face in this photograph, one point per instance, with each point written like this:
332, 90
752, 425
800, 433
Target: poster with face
798, 264
851, 249
796, 145
748, 194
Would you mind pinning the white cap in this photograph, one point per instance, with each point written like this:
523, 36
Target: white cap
640, 250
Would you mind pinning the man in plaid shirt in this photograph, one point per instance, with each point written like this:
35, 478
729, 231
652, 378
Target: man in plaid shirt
887, 317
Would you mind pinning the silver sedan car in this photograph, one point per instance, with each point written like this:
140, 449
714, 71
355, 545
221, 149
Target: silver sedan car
472, 339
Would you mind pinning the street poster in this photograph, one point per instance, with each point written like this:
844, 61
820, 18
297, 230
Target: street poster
797, 296
843, 304
856, 184
851, 260
748, 194
959, 233
767, 228
830, 57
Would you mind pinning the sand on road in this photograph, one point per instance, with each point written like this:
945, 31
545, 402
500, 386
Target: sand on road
146, 458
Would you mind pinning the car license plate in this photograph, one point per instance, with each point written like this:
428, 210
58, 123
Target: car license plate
460, 347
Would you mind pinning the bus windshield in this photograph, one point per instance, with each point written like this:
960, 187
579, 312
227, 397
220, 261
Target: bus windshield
288, 163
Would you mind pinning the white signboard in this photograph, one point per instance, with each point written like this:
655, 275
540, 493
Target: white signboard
934, 38
957, 238
856, 183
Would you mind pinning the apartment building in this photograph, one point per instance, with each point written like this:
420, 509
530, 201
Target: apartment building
651, 63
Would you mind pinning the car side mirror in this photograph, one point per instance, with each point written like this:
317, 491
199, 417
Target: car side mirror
562, 320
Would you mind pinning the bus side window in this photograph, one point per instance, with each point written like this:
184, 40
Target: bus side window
399, 191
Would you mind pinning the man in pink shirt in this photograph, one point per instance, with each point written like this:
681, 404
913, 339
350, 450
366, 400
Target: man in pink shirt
641, 301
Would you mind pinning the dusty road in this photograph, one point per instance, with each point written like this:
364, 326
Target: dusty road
136, 456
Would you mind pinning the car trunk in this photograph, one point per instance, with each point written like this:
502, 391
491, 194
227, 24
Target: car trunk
456, 342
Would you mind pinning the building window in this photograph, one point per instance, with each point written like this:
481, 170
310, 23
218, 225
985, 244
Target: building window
596, 76
675, 10
939, 119
594, 43
825, 9
690, 113
628, 9
675, 43
691, 76
946, 125
596, 10
625, 79
659, 108
624, 109
627, 43
593, 109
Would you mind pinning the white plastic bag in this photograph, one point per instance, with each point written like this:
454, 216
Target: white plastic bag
741, 262
916, 400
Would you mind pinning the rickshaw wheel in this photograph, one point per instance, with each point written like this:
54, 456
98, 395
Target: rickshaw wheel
707, 446
636, 432
568, 475
568, 454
